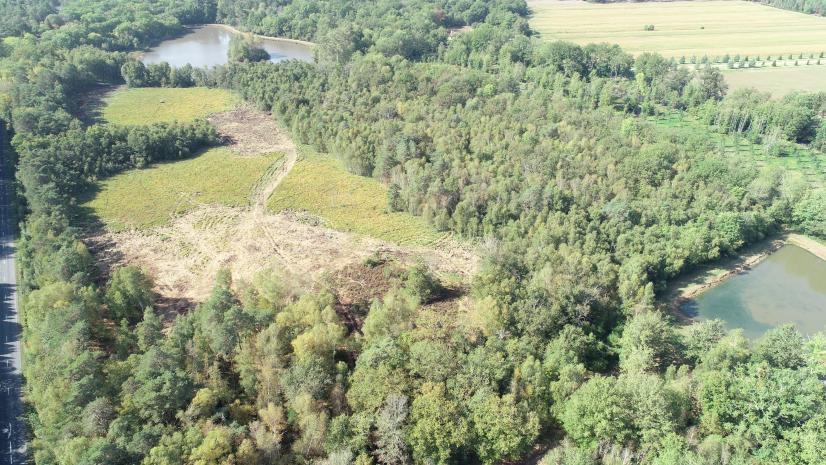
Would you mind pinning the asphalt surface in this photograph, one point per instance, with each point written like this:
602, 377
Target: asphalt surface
12, 432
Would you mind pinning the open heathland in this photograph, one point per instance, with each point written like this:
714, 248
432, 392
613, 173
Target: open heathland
683, 28
321, 186
151, 196
160, 104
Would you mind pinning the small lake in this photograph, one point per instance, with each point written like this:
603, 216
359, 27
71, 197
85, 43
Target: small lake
208, 46
789, 286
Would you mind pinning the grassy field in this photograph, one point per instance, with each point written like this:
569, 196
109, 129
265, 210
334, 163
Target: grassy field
810, 164
157, 104
150, 197
778, 81
319, 185
682, 28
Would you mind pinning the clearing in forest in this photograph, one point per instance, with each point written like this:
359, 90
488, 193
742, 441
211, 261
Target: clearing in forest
779, 81
682, 28
147, 105
319, 187
152, 196
184, 221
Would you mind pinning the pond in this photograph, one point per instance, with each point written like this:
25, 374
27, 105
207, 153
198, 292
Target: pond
208, 46
789, 286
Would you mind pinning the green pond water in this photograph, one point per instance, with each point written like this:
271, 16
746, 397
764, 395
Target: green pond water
787, 287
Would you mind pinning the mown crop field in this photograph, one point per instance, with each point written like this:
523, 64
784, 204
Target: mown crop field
156, 104
682, 28
779, 81
319, 185
149, 197
809, 163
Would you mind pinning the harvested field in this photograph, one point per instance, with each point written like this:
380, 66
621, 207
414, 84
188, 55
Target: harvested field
779, 81
682, 28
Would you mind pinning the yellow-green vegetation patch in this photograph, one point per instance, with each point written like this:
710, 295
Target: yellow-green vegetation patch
320, 185
152, 196
779, 81
161, 104
683, 28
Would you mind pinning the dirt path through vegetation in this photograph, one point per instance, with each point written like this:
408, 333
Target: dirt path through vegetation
252, 132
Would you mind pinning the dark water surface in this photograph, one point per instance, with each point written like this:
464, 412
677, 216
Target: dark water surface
787, 287
208, 46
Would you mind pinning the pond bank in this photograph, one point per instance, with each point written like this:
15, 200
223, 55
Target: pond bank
689, 286
208, 45
259, 36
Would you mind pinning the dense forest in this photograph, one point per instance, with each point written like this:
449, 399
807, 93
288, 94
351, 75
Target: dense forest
540, 152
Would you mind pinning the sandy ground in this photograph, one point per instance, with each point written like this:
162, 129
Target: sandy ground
184, 256
808, 244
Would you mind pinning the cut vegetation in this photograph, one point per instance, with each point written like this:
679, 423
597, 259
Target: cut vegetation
683, 28
184, 221
184, 256
156, 104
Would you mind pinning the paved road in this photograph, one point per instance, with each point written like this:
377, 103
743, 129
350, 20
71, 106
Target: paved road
12, 432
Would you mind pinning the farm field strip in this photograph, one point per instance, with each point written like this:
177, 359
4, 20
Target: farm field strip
778, 81
682, 28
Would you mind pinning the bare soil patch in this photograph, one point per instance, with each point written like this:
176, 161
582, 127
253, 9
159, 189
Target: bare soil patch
185, 256
251, 132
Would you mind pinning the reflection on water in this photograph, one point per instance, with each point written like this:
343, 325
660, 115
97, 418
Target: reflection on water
208, 46
788, 287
